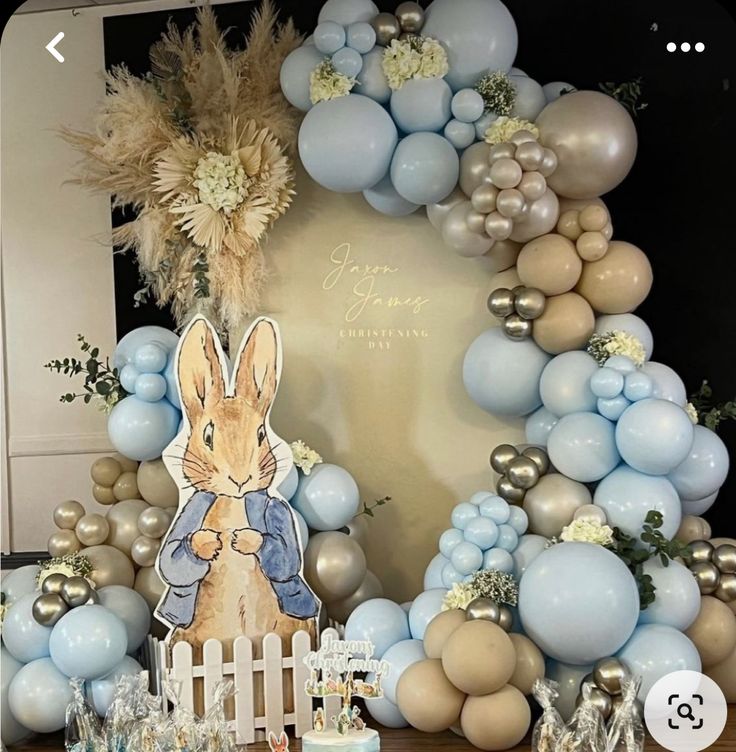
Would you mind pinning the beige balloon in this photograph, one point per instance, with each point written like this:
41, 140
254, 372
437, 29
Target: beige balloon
478, 657
92, 529
714, 631
724, 675
62, 543
619, 282
128, 465
552, 503
550, 263
693, 528
144, 550
371, 587
150, 586
155, 484
357, 529
502, 256
591, 246
541, 218
594, 139
105, 471
110, 566
126, 486
529, 663
123, 520
427, 698
439, 630
474, 167
103, 494
67, 514
497, 721
334, 565
566, 323
153, 522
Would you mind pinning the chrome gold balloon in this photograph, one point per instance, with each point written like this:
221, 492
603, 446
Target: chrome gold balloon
608, 675
48, 608
509, 492
726, 590
67, 514
52, 583
76, 591
501, 456
506, 619
600, 700
701, 550
410, 17
707, 576
539, 457
724, 557
387, 28
483, 608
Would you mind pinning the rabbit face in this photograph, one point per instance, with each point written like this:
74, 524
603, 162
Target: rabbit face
229, 451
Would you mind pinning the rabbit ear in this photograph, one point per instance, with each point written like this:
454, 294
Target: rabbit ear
257, 367
283, 739
199, 369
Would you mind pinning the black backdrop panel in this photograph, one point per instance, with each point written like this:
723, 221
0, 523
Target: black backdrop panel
679, 202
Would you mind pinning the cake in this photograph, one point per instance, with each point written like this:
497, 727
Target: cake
366, 740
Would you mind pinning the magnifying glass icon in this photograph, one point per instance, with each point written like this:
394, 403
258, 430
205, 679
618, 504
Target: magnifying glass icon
685, 711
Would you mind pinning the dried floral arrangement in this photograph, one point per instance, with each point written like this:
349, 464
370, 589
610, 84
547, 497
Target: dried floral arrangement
200, 148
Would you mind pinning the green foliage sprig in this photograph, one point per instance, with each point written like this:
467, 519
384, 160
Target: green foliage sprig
498, 92
711, 415
627, 93
100, 381
634, 555
368, 508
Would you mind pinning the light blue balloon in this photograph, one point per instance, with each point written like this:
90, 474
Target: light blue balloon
626, 496
348, 62
327, 498
38, 696
150, 358
583, 447
480, 496
638, 386
303, 529
568, 679
656, 650
479, 36
607, 383
450, 576
12, 731
24, 637
399, 657
629, 323
699, 507
433, 572
507, 538
383, 711
578, 602
483, 123
345, 12
125, 351
496, 509
424, 608
705, 468
346, 144
518, 520
425, 167
379, 620
142, 430
329, 37
538, 425
449, 539
172, 390
128, 376
19, 582
554, 90
361, 37
288, 485
150, 387
528, 548
482, 531
565, 383
677, 595
530, 99
466, 558
612, 409
459, 134
371, 80
131, 608
294, 75
406, 605
467, 105
88, 642
502, 376
384, 198
101, 691
654, 436
667, 384
498, 558
621, 363
462, 514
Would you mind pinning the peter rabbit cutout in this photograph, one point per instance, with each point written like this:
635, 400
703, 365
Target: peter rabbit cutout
231, 560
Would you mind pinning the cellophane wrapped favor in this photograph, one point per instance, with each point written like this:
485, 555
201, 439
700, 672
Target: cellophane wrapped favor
119, 718
181, 731
626, 728
83, 732
148, 717
586, 730
214, 724
549, 726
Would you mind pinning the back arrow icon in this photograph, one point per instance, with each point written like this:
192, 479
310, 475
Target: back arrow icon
51, 46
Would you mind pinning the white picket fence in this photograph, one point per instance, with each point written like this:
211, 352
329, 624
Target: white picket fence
247, 726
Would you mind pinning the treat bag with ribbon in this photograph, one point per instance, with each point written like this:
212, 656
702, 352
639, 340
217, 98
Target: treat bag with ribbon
549, 726
149, 717
181, 731
626, 728
83, 732
586, 731
214, 724
119, 718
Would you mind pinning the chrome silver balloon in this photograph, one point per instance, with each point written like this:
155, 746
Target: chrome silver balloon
483, 608
509, 492
539, 457
410, 17
517, 328
501, 456
387, 28
48, 608
501, 302
523, 472
76, 591
52, 583
529, 303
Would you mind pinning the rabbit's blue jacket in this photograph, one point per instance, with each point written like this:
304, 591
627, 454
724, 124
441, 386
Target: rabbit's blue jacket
279, 557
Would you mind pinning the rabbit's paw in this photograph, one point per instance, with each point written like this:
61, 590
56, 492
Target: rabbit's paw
206, 544
246, 540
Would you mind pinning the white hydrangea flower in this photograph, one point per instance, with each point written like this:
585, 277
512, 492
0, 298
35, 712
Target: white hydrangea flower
433, 62
623, 343
413, 57
304, 457
692, 413
325, 83
502, 128
459, 596
587, 531
221, 181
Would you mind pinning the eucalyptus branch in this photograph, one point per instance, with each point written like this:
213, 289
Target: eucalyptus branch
627, 93
368, 508
710, 415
